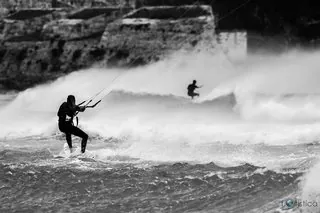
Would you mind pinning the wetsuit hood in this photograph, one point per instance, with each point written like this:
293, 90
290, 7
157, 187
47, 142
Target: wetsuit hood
71, 100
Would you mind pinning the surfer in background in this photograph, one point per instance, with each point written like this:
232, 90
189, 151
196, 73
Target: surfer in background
191, 89
66, 113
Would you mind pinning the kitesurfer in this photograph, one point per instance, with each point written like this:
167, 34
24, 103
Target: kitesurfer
191, 89
66, 113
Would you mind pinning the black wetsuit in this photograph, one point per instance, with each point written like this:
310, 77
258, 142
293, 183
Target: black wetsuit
66, 113
191, 89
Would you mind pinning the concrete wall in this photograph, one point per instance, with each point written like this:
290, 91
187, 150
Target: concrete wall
15, 28
160, 35
18, 4
233, 43
94, 3
258, 43
75, 28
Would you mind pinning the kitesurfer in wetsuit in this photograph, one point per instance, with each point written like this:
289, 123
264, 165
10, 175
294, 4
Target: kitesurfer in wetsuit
66, 113
191, 88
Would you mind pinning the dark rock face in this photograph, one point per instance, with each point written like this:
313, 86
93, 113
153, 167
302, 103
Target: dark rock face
25, 64
149, 34
54, 3
123, 43
293, 18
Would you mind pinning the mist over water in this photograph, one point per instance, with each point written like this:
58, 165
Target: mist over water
270, 100
283, 90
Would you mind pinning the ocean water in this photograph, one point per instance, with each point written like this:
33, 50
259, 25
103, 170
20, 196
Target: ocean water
249, 143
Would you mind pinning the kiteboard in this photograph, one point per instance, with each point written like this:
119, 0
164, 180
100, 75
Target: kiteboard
75, 152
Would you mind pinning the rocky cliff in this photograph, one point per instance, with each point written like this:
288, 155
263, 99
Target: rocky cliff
151, 33
140, 37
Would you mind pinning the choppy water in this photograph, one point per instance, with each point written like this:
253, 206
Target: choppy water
249, 142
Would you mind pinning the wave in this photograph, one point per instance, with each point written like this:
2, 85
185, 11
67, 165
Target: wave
132, 115
252, 101
228, 100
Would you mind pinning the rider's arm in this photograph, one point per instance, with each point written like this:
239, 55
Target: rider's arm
79, 108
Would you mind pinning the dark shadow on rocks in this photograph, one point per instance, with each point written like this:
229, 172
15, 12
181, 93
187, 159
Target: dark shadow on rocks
22, 54
44, 65
117, 57
2, 54
97, 53
55, 53
76, 55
